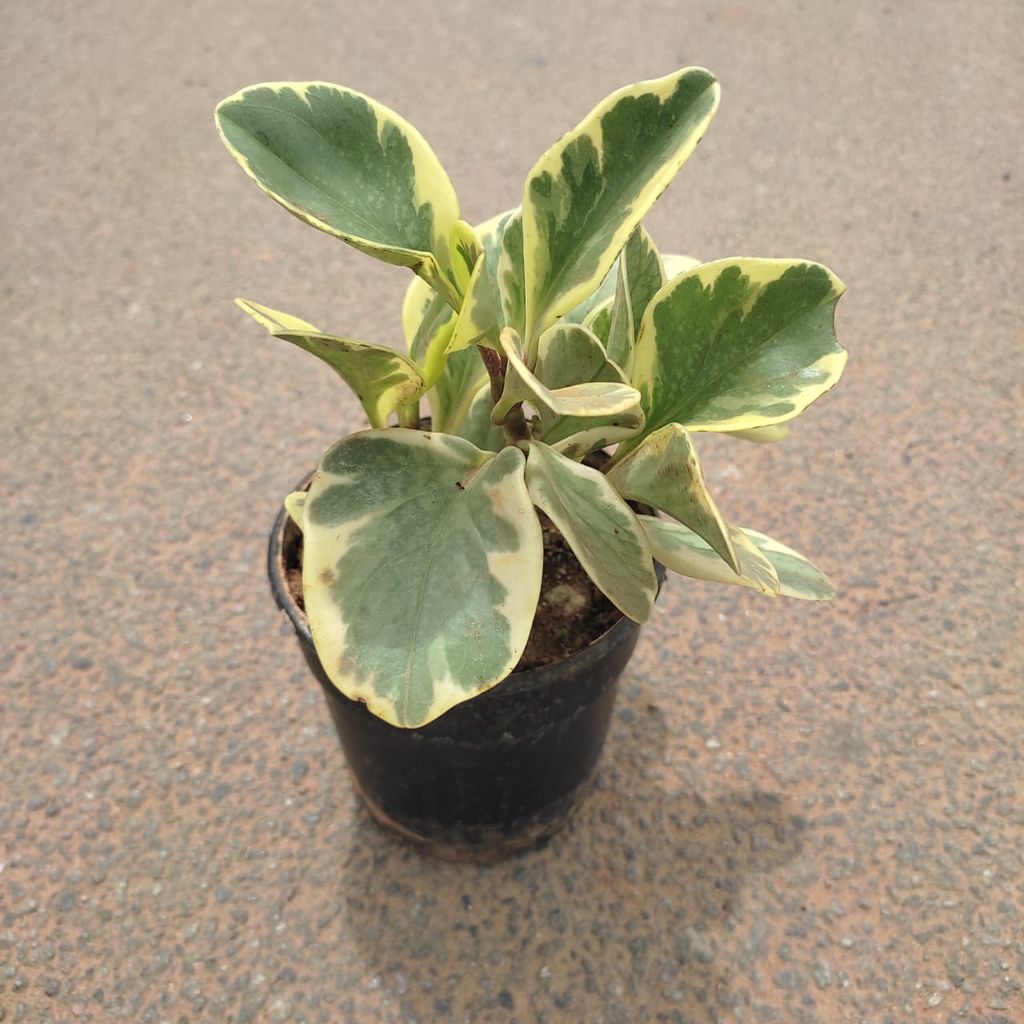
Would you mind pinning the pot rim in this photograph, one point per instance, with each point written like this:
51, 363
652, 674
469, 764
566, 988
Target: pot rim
527, 679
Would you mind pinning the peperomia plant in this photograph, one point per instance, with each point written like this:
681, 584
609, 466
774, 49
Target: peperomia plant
544, 335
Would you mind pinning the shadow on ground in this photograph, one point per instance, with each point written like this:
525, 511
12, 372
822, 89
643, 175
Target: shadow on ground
614, 920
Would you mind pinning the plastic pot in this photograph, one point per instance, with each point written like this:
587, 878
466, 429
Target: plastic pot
494, 775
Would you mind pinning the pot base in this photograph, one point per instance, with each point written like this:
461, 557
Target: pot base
481, 845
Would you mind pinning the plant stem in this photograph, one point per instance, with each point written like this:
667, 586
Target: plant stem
514, 424
409, 415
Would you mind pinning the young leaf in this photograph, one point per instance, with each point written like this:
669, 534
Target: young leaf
663, 471
454, 391
569, 354
510, 274
464, 250
599, 320
349, 166
738, 343
392, 518
382, 378
478, 318
598, 525
765, 565
641, 276
588, 192
591, 400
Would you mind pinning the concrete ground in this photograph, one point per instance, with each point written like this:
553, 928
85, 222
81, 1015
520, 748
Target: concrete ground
804, 814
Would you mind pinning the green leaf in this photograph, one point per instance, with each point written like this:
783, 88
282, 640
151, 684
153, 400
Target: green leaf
477, 426
588, 192
419, 297
681, 550
464, 251
382, 378
568, 355
421, 570
599, 320
349, 166
737, 344
598, 525
592, 399
798, 577
478, 318
663, 471
641, 276
765, 565
762, 435
454, 391
510, 274
604, 293
295, 505
676, 265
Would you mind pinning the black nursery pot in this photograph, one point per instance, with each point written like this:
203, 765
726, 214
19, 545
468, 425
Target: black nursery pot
494, 775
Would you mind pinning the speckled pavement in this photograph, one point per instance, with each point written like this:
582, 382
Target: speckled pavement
804, 814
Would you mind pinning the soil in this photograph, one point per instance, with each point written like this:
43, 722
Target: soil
571, 614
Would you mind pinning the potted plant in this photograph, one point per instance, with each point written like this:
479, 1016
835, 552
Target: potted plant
467, 587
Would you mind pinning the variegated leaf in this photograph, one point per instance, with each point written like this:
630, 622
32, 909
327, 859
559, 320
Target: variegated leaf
465, 250
641, 276
477, 426
683, 551
454, 391
765, 565
599, 320
598, 525
349, 166
762, 435
478, 318
382, 378
569, 354
798, 577
419, 297
295, 505
663, 471
604, 293
676, 265
737, 344
480, 315
588, 192
591, 400
421, 570
510, 274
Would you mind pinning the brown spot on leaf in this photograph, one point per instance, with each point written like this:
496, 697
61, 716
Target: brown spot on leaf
327, 576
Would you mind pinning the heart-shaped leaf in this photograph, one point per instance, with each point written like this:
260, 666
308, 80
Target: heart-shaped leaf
738, 343
349, 166
588, 192
598, 525
382, 378
421, 570
663, 471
